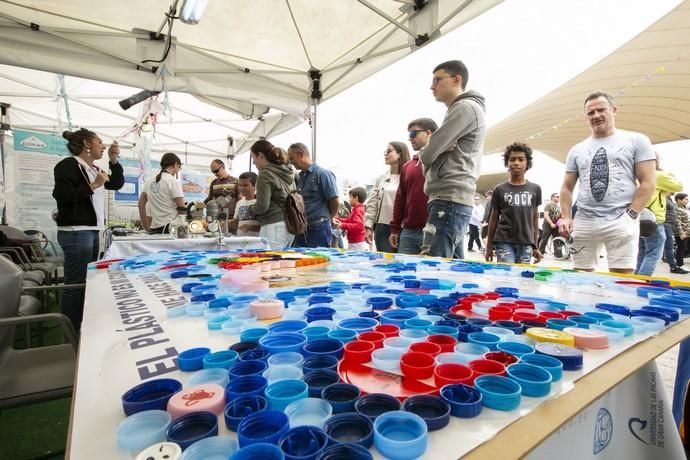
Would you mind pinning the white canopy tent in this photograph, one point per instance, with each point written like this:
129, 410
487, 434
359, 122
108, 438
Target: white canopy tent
195, 130
246, 57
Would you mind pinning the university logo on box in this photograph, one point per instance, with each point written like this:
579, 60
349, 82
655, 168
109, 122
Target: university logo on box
603, 430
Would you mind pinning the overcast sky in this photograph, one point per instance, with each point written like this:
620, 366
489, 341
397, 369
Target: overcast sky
515, 53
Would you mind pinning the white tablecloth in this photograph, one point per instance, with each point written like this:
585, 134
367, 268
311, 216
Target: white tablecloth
128, 246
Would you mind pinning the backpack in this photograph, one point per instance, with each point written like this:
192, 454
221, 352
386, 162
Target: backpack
295, 212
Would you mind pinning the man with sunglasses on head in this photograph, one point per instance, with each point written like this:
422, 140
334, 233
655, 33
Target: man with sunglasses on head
409, 209
223, 185
452, 160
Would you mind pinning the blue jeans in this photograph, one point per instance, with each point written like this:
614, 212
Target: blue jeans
650, 249
513, 253
446, 226
410, 241
80, 248
669, 254
317, 236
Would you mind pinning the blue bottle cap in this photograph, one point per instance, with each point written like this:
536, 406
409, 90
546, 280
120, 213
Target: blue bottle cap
511, 325
211, 447
240, 347
281, 393
515, 348
653, 314
344, 335
498, 392
484, 338
433, 410
350, 427
479, 322
303, 442
192, 427
374, 404
219, 376
259, 450
259, 353
623, 324
583, 321
223, 302
224, 359
559, 324
239, 408
323, 347
187, 287
312, 363
205, 297
287, 325
266, 426
281, 342
672, 313
400, 435
245, 386
569, 356
444, 330
549, 363
358, 324
247, 367
142, 429
613, 308
192, 359
315, 332
309, 411
345, 451
151, 395
397, 316
316, 299
380, 303
534, 380
465, 401
342, 396
316, 313
318, 379
598, 316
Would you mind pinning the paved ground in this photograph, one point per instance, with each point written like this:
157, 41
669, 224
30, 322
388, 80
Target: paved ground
667, 361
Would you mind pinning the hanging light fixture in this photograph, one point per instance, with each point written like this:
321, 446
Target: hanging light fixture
192, 10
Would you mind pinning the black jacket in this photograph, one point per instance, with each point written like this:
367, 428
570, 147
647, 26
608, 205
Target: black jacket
73, 192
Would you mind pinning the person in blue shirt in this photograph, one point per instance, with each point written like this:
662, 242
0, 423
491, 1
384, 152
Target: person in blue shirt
318, 188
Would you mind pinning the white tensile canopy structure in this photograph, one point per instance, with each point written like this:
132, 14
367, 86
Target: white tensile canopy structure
247, 57
649, 77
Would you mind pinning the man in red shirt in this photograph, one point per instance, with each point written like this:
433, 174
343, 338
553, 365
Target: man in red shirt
410, 207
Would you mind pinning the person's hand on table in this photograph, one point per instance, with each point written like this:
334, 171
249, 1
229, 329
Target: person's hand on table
489, 254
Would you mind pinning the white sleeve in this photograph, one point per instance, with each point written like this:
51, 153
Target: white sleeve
176, 189
642, 147
570, 164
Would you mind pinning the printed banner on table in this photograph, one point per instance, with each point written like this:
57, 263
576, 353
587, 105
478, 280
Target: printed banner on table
633, 421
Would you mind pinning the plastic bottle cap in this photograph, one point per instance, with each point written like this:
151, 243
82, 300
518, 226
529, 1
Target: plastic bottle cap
374, 404
217, 376
192, 427
569, 356
266, 426
207, 397
303, 442
465, 401
237, 409
351, 427
308, 411
534, 380
541, 334
280, 394
167, 450
142, 429
209, 448
498, 392
341, 396
588, 339
400, 435
550, 364
151, 395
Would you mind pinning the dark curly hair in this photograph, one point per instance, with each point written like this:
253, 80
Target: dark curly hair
518, 147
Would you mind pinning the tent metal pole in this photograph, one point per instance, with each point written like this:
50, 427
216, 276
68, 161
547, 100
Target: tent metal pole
315, 104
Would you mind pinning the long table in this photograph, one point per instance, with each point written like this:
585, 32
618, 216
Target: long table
117, 353
141, 243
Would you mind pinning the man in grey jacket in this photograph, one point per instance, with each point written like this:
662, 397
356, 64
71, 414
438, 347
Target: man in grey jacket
452, 160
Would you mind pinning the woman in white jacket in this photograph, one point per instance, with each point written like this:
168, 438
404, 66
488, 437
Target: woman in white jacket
379, 210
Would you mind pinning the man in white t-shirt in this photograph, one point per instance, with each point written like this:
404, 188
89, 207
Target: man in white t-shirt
609, 164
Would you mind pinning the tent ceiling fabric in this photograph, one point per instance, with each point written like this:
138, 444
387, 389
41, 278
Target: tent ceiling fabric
649, 77
244, 56
193, 126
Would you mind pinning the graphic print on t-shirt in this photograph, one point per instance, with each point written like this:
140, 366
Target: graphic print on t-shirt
523, 198
244, 214
599, 174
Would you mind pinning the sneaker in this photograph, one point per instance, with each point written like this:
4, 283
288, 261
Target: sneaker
680, 271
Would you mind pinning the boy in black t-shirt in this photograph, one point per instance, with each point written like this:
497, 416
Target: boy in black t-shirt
514, 222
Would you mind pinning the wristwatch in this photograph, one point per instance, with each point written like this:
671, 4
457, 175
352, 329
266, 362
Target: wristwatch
632, 213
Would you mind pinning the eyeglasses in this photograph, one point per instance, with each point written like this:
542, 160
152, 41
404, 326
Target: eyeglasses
435, 80
216, 171
413, 133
